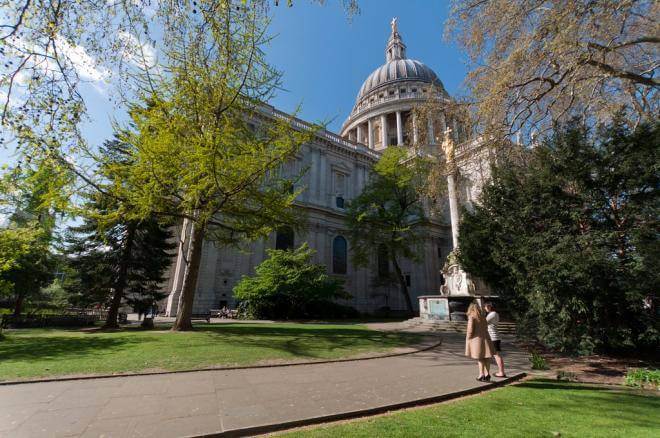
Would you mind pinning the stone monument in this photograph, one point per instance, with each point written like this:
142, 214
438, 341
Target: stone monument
457, 281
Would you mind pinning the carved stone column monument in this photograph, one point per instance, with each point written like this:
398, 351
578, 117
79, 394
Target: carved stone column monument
457, 281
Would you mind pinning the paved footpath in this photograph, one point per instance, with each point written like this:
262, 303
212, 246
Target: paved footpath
204, 402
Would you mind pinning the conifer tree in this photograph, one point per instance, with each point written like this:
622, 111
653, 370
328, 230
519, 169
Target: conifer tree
114, 256
568, 236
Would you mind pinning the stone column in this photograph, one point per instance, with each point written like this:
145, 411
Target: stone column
430, 128
383, 130
452, 193
360, 134
457, 281
323, 198
414, 128
399, 129
453, 203
370, 134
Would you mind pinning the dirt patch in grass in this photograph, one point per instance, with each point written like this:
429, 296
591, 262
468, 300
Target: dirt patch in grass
594, 369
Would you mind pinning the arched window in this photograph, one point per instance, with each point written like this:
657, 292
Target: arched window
383, 262
284, 238
339, 255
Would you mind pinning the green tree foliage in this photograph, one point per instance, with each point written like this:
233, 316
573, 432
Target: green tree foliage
388, 216
26, 264
114, 256
54, 51
569, 236
288, 285
32, 197
206, 150
37, 190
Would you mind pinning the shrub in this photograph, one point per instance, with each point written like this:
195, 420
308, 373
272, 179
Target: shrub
567, 376
538, 361
643, 378
287, 285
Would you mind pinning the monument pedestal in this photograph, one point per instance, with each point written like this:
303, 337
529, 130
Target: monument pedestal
457, 292
459, 283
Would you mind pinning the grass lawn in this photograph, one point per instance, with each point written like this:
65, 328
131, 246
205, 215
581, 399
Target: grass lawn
536, 408
56, 352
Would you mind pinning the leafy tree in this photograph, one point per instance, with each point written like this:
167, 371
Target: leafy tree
537, 62
52, 51
205, 150
288, 285
387, 217
114, 256
32, 196
26, 264
568, 234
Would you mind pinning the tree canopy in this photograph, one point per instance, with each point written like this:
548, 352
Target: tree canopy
568, 236
536, 62
32, 197
26, 264
205, 148
387, 217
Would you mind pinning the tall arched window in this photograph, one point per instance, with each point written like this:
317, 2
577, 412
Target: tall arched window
284, 238
339, 255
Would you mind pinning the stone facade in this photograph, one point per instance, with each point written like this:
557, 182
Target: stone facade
338, 167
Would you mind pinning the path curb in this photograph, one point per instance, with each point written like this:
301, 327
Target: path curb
279, 427
245, 367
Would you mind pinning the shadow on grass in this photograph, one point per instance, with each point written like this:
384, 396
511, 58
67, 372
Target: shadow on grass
58, 347
305, 341
553, 384
301, 341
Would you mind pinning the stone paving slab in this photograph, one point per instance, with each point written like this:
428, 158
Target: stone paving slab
208, 402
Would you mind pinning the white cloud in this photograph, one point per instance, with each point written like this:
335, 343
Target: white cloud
14, 100
85, 65
74, 56
138, 53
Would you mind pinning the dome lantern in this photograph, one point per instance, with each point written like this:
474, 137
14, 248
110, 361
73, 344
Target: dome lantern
395, 48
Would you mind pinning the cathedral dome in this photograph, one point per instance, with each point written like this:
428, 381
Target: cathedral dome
398, 70
383, 110
382, 85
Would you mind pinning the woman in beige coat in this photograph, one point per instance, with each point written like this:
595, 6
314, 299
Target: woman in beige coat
477, 341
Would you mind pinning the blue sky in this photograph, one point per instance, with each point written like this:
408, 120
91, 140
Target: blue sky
325, 57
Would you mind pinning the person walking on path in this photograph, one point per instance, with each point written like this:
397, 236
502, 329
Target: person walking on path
477, 342
493, 318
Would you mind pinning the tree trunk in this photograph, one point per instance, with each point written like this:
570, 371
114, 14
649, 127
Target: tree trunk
18, 304
404, 285
183, 321
113, 311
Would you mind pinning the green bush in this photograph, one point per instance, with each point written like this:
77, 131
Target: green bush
643, 378
567, 376
538, 362
287, 285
